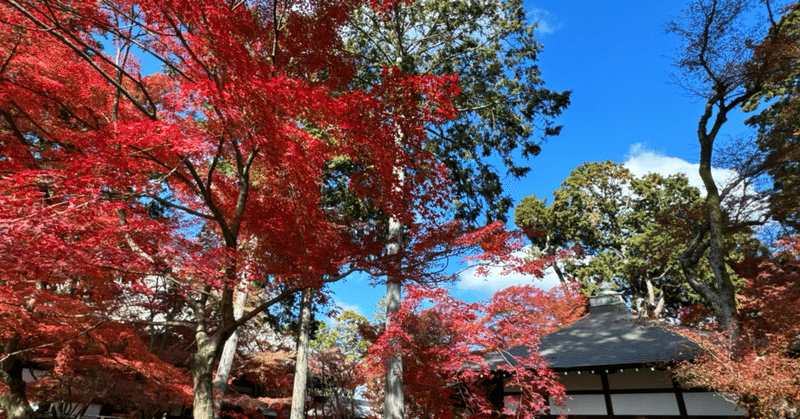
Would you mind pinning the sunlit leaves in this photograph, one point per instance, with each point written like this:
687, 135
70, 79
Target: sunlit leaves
760, 365
502, 108
444, 341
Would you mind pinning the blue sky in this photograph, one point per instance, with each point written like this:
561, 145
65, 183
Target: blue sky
617, 59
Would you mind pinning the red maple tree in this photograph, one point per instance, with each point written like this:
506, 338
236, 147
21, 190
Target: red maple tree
444, 342
760, 365
112, 179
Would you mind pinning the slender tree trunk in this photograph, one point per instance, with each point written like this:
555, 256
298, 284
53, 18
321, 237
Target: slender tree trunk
393, 403
725, 302
14, 401
202, 370
301, 360
564, 286
220, 384
393, 397
393, 400
229, 351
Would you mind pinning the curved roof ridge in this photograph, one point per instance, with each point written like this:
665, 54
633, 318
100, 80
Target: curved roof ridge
608, 335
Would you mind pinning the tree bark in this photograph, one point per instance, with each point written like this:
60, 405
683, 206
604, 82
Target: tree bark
393, 399
725, 302
301, 359
220, 384
202, 370
14, 401
393, 403
553, 252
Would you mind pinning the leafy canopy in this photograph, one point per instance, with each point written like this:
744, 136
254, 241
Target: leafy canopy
504, 111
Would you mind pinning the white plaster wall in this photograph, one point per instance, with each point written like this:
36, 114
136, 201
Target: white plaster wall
31, 375
710, 404
93, 410
581, 404
645, 404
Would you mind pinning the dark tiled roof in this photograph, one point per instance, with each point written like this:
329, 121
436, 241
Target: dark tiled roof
609, 335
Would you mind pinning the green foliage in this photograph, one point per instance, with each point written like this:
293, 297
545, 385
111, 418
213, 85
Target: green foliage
343, 335
776, 61
503, 109
630, 230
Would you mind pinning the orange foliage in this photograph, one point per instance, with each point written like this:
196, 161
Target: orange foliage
760, 365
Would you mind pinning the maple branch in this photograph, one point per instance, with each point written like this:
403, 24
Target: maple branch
239, 3
180, 37
267, 304
11, 54
250, 159
17, 133
218, 214
124, 60
44, 95
342, 275
243, 191
228, 128
177, 206
237, 153
45, 345
171, 323
132, 244
214, 162
108, 353
81, 52
275, 33
172, 170
132, 39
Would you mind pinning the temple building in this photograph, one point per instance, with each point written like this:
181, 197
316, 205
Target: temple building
615, 364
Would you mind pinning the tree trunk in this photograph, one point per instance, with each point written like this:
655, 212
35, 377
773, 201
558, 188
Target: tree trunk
301, 361
725, 303
228, 352
14, 402
557, 270
202, 372
393, 397
393, 402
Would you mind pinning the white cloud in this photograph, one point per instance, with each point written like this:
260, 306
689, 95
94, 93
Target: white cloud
545, 21
495, 280
328, 315
642, 161
342, 307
